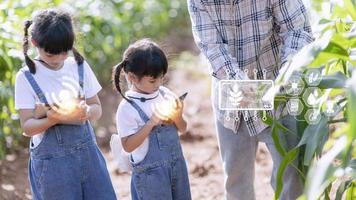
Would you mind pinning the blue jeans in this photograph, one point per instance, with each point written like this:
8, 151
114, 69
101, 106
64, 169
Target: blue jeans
68, 164
238, 152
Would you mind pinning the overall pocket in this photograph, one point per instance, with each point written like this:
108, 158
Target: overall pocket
167, 137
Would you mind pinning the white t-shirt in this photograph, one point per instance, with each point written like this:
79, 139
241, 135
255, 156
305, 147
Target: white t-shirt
128, 120
54, 84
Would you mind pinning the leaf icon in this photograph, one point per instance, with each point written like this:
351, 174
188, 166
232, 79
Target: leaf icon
235, 95
312, 99
235, 88
313, 77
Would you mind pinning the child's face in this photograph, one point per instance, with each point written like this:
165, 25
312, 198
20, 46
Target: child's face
53, 60
147, 84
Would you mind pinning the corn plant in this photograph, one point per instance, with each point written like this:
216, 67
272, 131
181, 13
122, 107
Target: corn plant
325, 155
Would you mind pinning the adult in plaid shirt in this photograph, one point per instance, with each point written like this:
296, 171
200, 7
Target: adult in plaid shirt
258, 36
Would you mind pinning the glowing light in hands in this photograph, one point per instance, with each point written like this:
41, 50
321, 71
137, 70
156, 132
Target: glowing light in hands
166, 109
67, 102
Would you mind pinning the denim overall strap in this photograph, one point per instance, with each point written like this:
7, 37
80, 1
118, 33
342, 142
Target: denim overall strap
142, 114
35, 87
162, 92
81, 80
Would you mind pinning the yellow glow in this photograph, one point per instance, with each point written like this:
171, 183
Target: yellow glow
67, 102
166, 109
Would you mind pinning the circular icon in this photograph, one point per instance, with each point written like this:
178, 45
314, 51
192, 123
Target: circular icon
294, 107
264, 115
295, 85
313, 77
245, 118
312, 116
312, 97
227, 118
255, 116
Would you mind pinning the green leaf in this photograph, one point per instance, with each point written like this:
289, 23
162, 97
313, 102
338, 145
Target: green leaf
351, 191
336, 80
288, 158
325, 21
320, 174
342, 188
275, 122
350, 6
342, 40
336, 49
327, 191
313, 136
330, 53
351, 107
277, 142
336, 92
353, 164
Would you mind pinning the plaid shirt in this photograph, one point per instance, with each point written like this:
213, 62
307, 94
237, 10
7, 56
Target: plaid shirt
253, 35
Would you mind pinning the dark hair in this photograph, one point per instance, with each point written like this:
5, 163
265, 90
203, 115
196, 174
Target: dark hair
142, 58
53, 31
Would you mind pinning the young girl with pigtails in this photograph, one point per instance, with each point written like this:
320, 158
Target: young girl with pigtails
148, 120
56, 96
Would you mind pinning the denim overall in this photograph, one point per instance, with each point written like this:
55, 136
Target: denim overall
68, 164
162, 174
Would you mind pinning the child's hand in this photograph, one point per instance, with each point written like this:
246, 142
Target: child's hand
155, 120
178, 119
40, 111
169, 111
54, 117
178, 112
85, 114
76, 116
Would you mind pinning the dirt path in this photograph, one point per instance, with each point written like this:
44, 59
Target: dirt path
200, 149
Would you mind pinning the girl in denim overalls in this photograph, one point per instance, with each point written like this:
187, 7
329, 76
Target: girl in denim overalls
65, 161
159, 171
